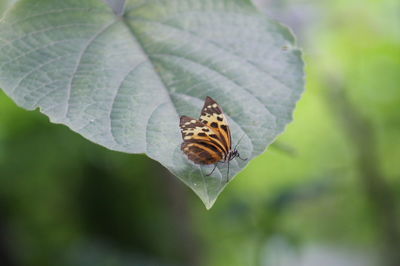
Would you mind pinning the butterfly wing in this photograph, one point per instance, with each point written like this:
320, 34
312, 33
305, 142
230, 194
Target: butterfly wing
213, 116
200, 143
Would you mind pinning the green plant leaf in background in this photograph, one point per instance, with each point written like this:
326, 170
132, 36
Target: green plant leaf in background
123, 81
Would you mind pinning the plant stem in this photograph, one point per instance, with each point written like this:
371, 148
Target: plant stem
361, 133
5, 255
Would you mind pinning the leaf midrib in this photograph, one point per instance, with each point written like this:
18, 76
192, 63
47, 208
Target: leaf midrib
146, 54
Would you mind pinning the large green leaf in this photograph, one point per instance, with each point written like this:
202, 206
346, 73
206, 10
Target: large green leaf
123, 82
117, 5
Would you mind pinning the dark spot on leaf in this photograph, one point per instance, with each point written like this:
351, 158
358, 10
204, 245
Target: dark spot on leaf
213, 124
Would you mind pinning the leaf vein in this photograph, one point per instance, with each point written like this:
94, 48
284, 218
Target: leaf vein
79, 59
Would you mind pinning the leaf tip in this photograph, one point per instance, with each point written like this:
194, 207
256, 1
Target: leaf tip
209, 204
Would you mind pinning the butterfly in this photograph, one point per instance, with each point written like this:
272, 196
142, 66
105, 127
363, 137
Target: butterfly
207, 140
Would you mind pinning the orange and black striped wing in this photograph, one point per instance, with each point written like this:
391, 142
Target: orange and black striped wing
200, 143
213, 116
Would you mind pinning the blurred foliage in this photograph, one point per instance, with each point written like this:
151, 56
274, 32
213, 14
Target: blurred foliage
65, 199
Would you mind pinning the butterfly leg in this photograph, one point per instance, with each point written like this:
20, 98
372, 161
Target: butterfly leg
227, 175
215, 166
243, 159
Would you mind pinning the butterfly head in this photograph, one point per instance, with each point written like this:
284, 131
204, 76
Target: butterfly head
233, 154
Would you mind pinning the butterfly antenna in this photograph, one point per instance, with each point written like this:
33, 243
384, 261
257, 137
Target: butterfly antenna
239, 141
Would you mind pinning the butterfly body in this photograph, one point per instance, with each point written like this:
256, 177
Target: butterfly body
207, 140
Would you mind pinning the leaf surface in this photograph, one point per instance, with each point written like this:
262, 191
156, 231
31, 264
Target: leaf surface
124, 81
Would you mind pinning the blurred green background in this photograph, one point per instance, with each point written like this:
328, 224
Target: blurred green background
326, 193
